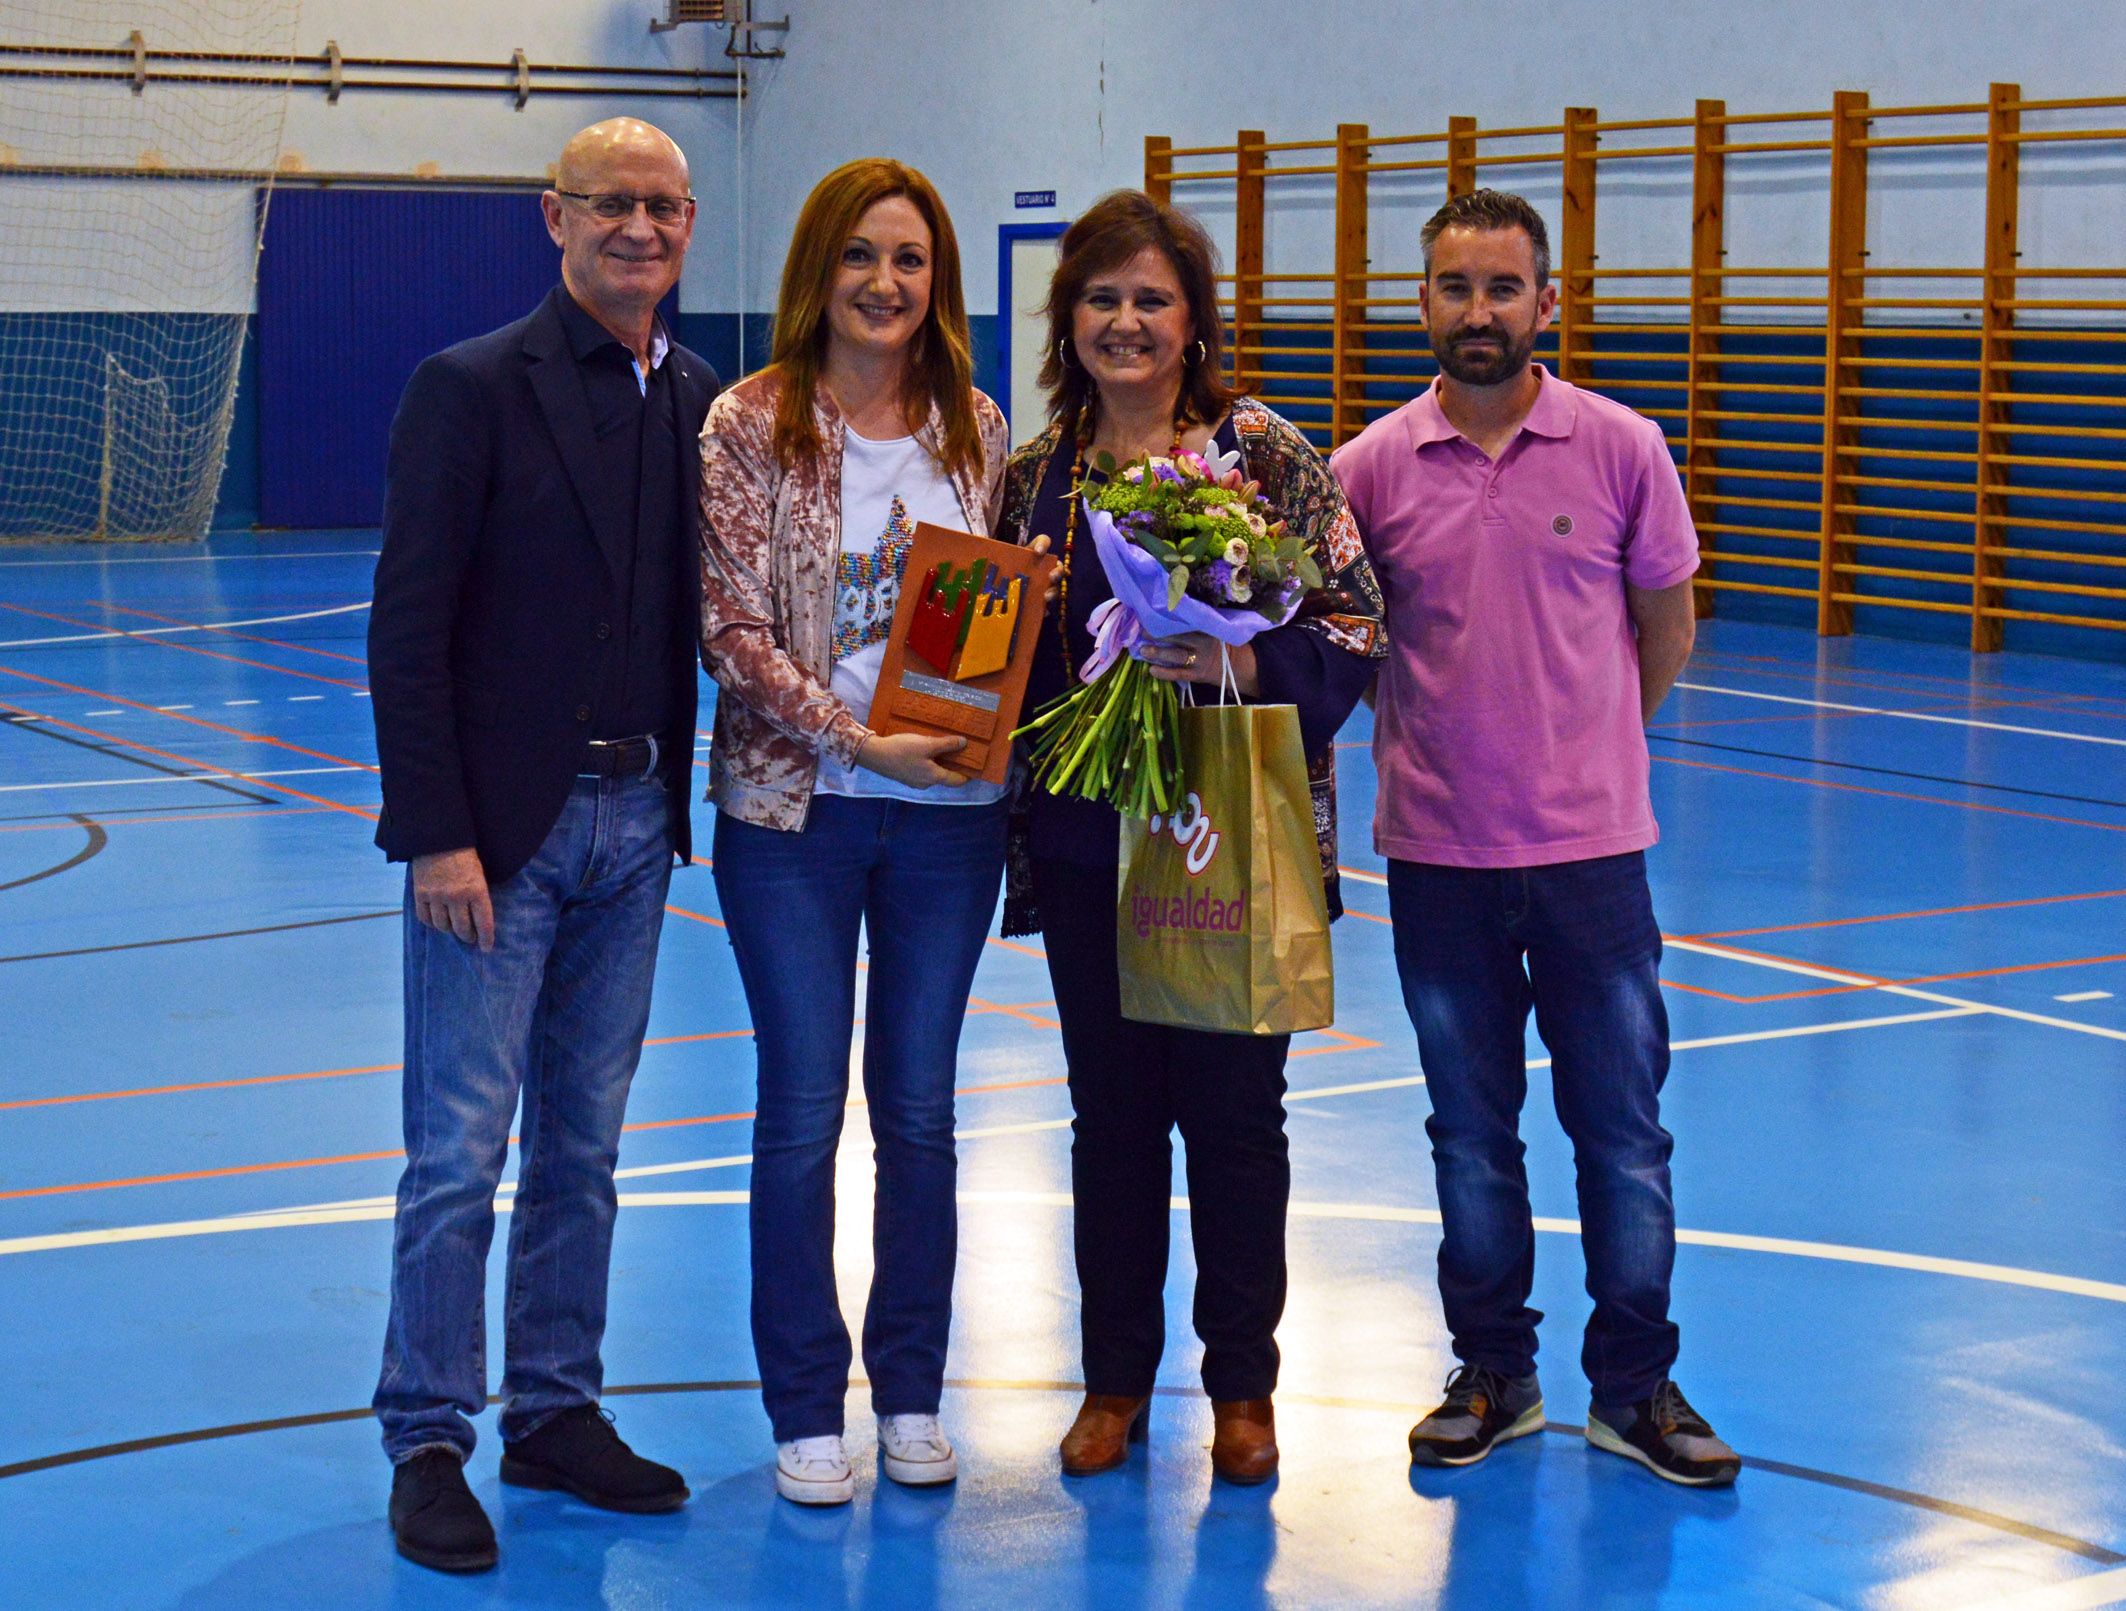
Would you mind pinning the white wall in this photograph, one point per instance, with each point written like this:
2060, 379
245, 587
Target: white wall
992, 96
184, 247
465, 134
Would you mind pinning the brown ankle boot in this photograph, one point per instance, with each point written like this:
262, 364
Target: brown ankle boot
1099, 1439
1244, 1442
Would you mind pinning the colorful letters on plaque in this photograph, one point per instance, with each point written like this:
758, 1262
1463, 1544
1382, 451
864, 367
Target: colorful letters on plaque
967, 619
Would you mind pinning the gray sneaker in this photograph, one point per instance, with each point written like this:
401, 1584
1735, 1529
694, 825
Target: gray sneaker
1482, 1408
1665, 1435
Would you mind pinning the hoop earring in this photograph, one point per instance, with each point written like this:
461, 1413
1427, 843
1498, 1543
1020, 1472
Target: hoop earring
1202, 352
1063, 353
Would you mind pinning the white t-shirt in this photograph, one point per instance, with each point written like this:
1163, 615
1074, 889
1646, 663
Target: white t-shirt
887, 488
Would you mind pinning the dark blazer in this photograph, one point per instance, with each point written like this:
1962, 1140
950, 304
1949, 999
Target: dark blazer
490, 631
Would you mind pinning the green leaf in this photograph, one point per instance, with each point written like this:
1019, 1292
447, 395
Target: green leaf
1290, 550
1177, 581
1102, 464
1309, 572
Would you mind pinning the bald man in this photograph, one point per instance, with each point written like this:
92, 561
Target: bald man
531, 659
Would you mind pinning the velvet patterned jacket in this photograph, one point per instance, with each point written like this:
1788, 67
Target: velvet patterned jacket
1320, 662
770, 542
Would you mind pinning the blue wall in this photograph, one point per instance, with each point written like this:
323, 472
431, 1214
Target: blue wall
355, 288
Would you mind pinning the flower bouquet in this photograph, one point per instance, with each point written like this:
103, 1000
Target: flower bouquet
1188, 545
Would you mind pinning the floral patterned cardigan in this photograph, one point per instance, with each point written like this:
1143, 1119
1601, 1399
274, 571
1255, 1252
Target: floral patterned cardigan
1323, 660
770, 537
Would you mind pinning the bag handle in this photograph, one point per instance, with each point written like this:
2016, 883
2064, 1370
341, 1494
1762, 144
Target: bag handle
1227, 684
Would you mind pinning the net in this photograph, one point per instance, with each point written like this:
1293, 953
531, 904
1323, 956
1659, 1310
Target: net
134, 203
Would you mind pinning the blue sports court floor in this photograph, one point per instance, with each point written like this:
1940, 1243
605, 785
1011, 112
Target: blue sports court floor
1896, 881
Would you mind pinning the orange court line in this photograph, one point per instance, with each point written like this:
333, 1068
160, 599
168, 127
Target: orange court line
313, 1074
1019, 946
1871, 983
183, 648
221, 774
1895, 917
201, 1085
1344, 1040
196, 721
2020, 967
1891, 794
248, 637
698, 917
1703, 990
1019, 1013
149, 822
199, 1174
1347, 1042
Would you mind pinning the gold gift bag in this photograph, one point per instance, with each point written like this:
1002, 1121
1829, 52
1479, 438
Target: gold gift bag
1221, 922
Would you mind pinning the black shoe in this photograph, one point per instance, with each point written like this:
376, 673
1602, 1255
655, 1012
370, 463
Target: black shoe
579, 1452
434, 1516
1482, 1408
1665, 1435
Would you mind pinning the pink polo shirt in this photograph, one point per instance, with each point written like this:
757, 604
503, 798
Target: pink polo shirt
1506, 730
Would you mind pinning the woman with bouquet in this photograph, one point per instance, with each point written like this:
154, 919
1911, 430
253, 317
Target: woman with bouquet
814, 474
1133, 373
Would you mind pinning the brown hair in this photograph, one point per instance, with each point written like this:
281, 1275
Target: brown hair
1486, 210
941, 358
1112, 231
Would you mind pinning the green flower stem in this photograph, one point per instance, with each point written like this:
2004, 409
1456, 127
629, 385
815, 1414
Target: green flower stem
1117, 740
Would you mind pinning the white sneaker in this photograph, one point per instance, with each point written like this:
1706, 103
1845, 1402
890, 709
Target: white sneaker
814, 1471
916, 1450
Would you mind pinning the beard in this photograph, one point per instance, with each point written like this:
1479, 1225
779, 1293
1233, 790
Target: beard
1485, 366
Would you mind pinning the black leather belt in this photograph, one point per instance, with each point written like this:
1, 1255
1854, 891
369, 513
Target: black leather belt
620, 758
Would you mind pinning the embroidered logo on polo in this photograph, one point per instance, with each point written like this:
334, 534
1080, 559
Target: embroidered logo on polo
868, 586
1561, 524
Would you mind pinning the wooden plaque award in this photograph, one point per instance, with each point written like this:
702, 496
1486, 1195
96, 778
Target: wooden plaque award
961, 646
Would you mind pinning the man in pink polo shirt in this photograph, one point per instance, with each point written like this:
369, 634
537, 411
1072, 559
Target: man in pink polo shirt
1536, 552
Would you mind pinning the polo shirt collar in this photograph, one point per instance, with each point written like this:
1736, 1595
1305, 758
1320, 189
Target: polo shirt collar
1553, 414
586, 335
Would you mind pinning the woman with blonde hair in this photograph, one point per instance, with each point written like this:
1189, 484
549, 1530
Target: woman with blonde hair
815, 472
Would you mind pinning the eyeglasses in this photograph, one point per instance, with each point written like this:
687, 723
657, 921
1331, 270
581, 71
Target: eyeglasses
617, 207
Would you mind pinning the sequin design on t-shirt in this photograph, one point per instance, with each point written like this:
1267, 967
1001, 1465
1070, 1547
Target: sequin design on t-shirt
868, 585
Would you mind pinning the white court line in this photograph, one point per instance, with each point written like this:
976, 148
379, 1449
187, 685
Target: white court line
1363, 878
189, 559
375, 1209
353, 1209
2076, 1594
1837, 976
180, 777
1903, 715
303, 699
164, 631
2084, 995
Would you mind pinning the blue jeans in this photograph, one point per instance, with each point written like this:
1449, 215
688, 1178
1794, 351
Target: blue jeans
1592, 953
555, 1011
923, 882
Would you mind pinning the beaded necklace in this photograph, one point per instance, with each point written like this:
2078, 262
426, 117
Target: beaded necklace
1070, 537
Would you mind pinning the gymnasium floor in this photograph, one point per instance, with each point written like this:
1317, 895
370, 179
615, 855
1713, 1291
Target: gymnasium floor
1895, 877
